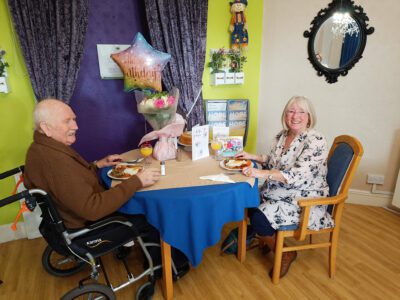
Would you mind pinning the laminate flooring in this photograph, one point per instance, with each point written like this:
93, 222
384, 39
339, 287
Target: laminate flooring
368, 267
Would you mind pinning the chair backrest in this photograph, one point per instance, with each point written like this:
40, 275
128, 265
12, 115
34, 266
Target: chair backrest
344, 157
337, 167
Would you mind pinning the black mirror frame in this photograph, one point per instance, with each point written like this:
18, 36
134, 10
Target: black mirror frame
357, 13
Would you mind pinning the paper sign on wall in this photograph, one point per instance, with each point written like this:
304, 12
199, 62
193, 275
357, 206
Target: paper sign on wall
108, 68
200, 142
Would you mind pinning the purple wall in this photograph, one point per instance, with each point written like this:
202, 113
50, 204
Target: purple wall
107, 117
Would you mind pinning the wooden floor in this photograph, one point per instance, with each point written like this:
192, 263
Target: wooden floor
368, 267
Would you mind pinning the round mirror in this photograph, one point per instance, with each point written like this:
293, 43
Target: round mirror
337, 41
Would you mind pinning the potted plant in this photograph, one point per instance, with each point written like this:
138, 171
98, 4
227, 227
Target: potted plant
236, 62
217, 65
3, 72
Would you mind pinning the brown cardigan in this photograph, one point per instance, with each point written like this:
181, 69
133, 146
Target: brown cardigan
72, 182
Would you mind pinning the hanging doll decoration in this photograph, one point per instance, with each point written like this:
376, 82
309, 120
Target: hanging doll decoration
238, 27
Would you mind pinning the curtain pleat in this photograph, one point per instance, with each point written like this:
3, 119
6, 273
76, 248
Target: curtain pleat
52, 35
179, 27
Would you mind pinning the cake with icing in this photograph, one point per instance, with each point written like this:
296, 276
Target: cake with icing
186, 138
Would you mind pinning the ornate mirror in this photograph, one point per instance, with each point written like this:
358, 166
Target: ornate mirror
337, 38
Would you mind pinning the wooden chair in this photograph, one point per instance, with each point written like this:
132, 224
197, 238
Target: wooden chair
344, 157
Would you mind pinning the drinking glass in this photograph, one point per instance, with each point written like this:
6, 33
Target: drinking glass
216, 146
146, 149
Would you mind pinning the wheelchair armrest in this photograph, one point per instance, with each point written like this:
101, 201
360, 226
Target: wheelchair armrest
114, 219
102, 223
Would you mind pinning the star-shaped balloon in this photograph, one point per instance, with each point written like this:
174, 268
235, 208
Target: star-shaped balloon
141, 65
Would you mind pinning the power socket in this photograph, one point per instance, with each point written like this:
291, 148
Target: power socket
375, 179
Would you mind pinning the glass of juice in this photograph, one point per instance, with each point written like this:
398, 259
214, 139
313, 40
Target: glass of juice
216, 146
146, 149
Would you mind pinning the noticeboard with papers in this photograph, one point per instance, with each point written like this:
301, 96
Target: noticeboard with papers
233, 113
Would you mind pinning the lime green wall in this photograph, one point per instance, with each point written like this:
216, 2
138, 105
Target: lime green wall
15, 112
218, 36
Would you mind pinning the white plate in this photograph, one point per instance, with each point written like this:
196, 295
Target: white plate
124, 164
222, 165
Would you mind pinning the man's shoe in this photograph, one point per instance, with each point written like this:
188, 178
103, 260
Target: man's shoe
287, 259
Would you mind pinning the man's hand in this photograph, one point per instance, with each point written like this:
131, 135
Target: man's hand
148, 176
110, 160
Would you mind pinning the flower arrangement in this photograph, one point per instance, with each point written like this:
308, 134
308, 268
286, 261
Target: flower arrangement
217, 61
236, 61
158, 109
3, 64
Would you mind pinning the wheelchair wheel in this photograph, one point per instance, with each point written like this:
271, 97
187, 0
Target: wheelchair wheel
59, 265
90, 291
145, 292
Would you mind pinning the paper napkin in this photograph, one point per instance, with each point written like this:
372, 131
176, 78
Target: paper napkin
218, 177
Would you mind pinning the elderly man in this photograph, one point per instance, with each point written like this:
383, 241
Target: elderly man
52, 165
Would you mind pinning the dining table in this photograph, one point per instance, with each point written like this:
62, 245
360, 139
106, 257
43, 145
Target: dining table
189, 212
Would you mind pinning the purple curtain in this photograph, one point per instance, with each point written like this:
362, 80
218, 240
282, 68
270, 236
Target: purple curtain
179, 27
52, 35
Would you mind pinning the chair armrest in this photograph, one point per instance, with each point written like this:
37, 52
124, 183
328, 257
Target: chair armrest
306, 205
322, 201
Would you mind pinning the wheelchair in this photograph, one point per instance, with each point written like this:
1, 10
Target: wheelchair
75, 249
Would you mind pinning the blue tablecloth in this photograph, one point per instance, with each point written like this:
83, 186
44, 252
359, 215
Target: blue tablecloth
191, 218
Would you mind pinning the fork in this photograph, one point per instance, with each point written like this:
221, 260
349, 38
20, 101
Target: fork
138, 160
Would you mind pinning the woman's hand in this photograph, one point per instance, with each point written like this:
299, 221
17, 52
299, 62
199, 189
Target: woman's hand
110, 160
253, 172
244, 155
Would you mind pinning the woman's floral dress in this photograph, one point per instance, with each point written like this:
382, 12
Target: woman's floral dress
304, 166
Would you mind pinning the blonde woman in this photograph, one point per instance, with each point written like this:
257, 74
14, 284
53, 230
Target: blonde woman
294, 168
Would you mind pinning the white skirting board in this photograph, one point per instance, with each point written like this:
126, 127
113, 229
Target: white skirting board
355, 197
6, 234
368, 198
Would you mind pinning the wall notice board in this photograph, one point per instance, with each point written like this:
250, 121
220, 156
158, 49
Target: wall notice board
233, 113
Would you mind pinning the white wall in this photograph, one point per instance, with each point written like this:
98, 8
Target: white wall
365, 103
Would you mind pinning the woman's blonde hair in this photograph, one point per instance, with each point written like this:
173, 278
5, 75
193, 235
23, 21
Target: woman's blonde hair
304, 104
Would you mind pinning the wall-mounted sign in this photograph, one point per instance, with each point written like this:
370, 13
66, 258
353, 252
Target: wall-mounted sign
108, 68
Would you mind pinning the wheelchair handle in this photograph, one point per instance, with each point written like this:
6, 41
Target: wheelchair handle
21, 195
12, 172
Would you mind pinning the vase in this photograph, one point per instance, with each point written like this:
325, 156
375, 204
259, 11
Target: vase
217, 78
229, 78
239, 78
